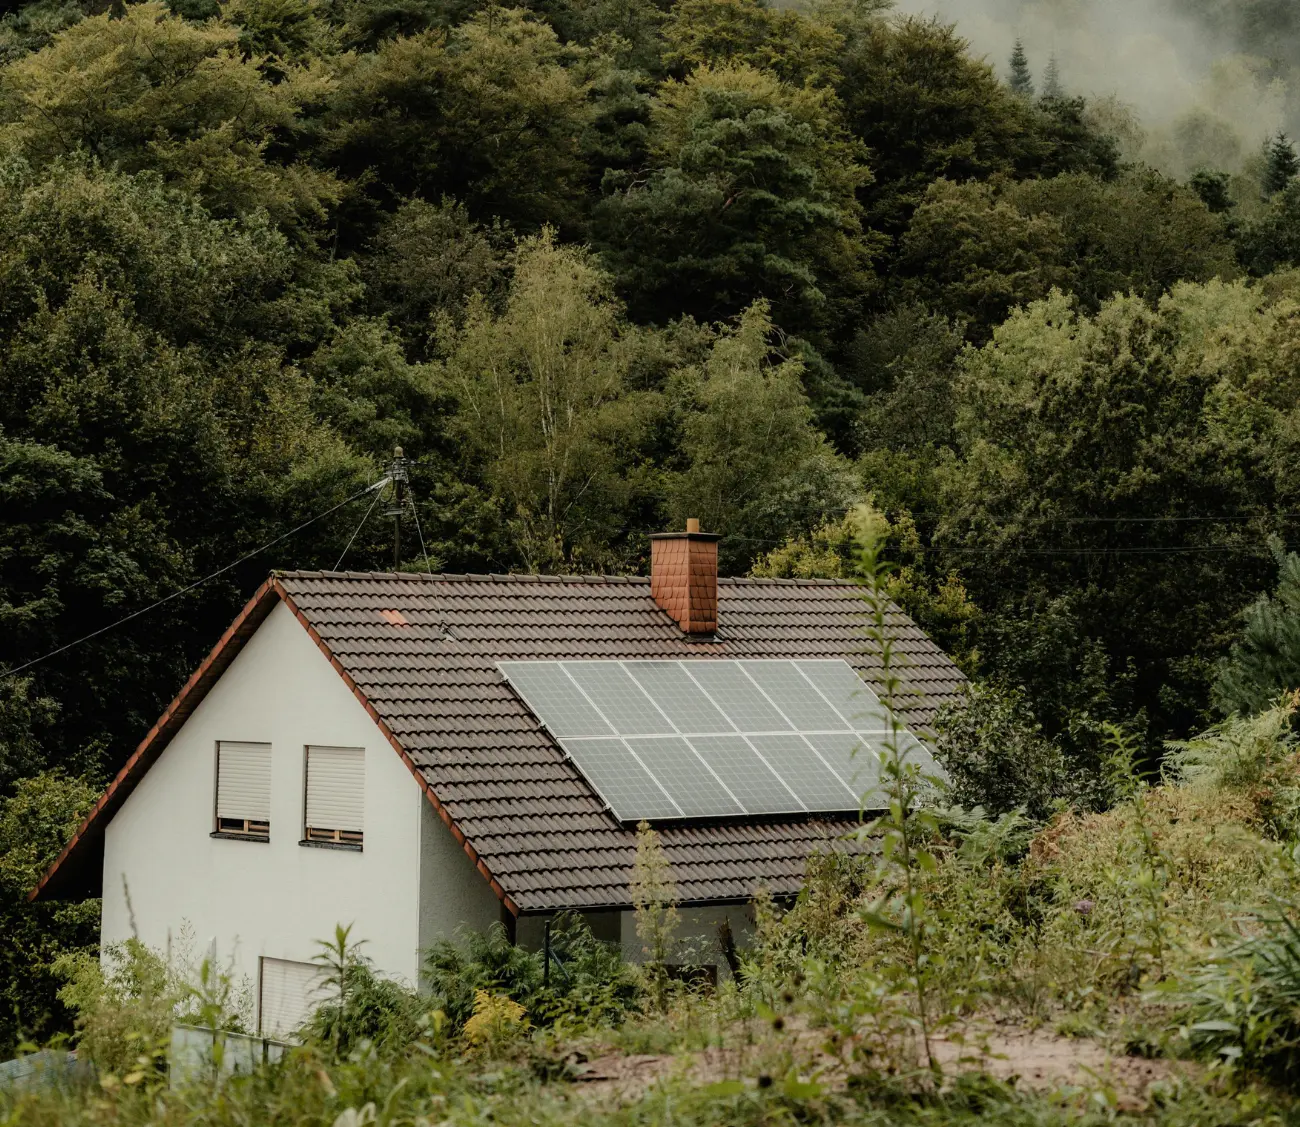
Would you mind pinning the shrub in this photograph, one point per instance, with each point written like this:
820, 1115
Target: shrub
125, 1006
998, 757
497, 1022
363, 1007
588, 979
1245, 1005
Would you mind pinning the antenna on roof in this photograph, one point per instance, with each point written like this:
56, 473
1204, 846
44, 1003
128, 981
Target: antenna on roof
397, 473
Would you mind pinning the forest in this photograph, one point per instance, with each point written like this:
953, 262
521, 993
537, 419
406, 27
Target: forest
805, 272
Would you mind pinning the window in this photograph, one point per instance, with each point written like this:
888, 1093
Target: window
336, 792
244, 789
287, 994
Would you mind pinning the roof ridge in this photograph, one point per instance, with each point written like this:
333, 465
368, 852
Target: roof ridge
530, 577
463, 577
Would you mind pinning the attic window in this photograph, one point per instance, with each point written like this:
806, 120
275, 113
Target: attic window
394, 617
336, 792
244, 790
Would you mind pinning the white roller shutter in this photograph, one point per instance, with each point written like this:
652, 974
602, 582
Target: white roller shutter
288, 994
244, 781
336, 792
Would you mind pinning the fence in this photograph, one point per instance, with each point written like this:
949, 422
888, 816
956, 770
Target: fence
197, 1052
49, 1068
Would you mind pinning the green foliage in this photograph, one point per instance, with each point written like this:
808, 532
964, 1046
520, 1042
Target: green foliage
1071, 426
756, 465
902, 789
545, 407
1020, 78
982, 249
654, 898
1283, 165
716, 33
125, 1006
1243, 1004
151, 90
998, 757
1265, 662
357, 1007
588, 984
751, 195
36, 820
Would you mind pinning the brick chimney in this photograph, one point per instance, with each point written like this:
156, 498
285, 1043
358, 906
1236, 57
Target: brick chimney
684, 577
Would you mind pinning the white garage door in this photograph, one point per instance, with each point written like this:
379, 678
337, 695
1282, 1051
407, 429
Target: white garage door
288, 994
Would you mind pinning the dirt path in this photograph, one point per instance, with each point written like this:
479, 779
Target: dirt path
1037, 1060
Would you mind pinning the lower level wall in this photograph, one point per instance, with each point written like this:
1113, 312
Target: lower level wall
697, 941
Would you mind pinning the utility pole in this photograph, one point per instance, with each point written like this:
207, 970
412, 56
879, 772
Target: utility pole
398, 472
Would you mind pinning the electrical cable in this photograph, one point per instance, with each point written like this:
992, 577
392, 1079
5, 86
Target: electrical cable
356, 531
185, 590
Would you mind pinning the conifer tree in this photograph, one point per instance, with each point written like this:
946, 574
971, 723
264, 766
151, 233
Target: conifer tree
1265, 662
1052, 87
1283, 165
1022, 81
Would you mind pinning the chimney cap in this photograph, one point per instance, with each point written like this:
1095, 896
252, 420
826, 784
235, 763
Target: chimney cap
705, 536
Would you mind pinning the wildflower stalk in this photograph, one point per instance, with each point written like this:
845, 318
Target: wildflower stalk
902, 782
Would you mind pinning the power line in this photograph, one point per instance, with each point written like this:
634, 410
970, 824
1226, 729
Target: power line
378, 488
185, 590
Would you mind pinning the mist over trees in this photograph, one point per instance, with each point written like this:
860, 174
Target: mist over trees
598, 268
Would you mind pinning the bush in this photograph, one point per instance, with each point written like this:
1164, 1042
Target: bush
1265, 662
588, 979
125, 1006
999, 758
1245, 1005
363, 1008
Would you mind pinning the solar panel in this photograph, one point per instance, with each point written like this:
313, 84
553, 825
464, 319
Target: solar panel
555, 699
796, 696
618, 697
805, 772
736, 695
712, 737
679, 696
687, 779
747, 775
621, 780
851, 697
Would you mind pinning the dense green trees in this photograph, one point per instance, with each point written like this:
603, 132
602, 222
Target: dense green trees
598, 267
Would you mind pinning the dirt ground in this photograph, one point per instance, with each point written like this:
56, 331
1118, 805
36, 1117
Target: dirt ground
1038, 1060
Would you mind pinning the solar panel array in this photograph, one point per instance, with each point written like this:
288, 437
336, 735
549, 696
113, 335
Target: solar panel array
715, 738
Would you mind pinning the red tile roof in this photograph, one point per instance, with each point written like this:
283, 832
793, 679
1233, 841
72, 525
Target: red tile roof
420, 652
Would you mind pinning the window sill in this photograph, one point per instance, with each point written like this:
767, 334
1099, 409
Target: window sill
240, 837
346, 846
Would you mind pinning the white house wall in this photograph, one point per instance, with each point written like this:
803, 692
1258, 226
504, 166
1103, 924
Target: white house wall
454, 896
247, 899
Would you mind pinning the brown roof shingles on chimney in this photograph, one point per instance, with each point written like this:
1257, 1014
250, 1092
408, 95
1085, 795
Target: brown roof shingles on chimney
684, 577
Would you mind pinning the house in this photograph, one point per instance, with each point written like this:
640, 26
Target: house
417, 754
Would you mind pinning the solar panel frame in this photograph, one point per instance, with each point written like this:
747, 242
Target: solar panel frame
804, 771
757, 713
679, 695
859, 705
622, 781
807, 710
577, 715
